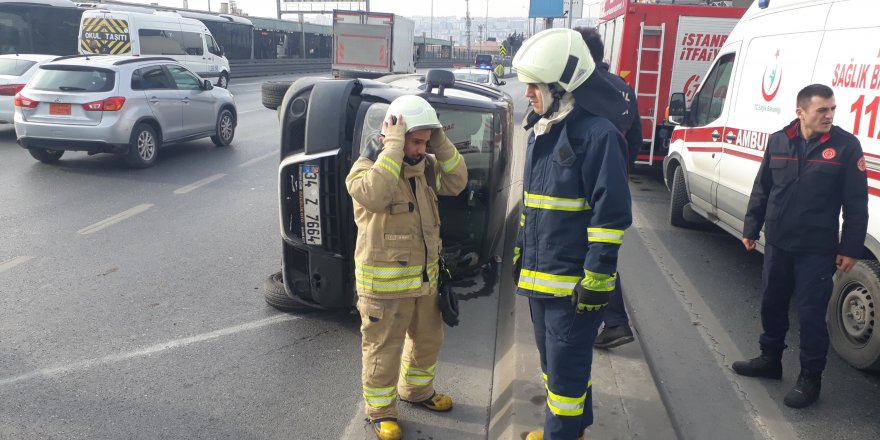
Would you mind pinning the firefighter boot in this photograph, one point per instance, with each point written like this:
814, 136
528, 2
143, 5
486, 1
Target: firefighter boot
539, 435
768, 364
614, 336
806, 391
386, 429
437, 402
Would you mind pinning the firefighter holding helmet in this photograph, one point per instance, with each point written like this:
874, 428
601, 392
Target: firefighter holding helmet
394, 187
576, 208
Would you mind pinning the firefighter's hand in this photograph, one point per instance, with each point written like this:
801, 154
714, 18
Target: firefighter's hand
749, 244
438, 139
586, 300
394, 129
844, 263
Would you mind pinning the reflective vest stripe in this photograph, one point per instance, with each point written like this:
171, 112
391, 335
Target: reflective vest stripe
387, 271
540, 201
602, 235
565, 406
416, 376
598, 282
559, 285
380, 396
384, 286
522, 220
450, 164
390, 165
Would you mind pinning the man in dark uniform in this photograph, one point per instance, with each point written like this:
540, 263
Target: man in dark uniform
810, 170
616, 330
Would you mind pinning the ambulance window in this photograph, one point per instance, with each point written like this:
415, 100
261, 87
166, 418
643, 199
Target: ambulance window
709, 102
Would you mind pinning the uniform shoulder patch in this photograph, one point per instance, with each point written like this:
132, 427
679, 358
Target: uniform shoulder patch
861, 164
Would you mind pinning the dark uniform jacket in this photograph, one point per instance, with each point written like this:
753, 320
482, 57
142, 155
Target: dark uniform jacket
576, 205
799, 191
630, 123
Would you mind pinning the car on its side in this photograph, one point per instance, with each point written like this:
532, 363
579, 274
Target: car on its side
15, 71
119, 104
479, 76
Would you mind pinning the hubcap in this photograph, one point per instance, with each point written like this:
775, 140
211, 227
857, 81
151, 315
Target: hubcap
146, 145
226, 127
857, 314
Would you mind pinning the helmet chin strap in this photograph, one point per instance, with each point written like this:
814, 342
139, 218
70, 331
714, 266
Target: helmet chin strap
555, 96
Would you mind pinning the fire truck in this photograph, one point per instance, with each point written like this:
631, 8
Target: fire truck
661, 47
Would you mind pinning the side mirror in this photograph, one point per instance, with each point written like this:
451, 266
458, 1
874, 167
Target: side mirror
207, 85
222, 51
677, 111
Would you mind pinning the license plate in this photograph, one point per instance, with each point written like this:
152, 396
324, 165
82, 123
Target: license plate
59, 109
310, 204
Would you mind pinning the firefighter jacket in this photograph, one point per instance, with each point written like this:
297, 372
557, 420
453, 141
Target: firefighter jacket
398, 221
576, 207
800, 189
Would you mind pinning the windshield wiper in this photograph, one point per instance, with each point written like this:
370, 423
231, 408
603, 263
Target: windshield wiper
71, 89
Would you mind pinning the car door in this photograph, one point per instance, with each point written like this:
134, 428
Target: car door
162, 97
198, 104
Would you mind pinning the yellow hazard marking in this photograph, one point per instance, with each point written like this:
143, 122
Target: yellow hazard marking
105, 35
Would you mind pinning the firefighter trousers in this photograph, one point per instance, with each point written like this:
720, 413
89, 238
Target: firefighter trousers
615, 313
401, 339
565, 342
808, 278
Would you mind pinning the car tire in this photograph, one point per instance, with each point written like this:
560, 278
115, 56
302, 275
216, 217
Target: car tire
276, 296
273, 93
678, 200
46, 156
225, 128
853, 324
223, 80
143, 148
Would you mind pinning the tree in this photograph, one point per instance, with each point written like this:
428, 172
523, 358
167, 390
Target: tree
513, 43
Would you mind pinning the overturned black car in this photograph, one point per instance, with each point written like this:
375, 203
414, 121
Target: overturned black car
325, 123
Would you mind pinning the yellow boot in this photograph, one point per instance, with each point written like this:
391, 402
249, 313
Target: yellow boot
437, 402
539, 435
387, 429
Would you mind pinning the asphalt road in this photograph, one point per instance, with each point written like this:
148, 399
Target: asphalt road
130, 307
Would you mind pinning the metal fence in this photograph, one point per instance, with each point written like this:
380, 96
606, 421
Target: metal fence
254, 68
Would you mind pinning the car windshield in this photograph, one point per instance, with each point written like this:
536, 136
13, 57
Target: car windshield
475, 77
14, 67
73, 79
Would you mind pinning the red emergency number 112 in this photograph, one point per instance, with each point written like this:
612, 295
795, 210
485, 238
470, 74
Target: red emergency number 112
859, 108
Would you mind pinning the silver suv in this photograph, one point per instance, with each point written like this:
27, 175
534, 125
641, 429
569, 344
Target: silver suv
125, 105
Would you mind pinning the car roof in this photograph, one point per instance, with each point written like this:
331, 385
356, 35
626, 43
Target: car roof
29, 57
108, 61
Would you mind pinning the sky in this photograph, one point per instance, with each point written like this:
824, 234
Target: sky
478, 8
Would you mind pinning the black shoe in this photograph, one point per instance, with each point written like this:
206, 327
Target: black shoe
768, 364
806, 391
616, 336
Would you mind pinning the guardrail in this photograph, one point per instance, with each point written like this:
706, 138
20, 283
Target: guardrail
251, 68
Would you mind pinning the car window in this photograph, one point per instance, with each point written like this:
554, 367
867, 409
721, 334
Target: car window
184, 79
709, 102
212, 45
161, 42
150, 78
73, 79
475, 77
15, 67
193, 43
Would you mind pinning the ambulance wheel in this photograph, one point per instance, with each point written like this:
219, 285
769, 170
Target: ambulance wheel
854, 315
678, 200
223, 80
276, 296
46, 156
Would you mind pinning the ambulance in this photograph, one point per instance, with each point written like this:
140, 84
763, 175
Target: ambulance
777, 48
143, 31
660, 47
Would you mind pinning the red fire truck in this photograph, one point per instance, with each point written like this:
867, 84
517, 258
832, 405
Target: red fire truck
660, 47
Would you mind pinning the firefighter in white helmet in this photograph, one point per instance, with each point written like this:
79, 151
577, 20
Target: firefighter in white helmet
576, 208
394, 187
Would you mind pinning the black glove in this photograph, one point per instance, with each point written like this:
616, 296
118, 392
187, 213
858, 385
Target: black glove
584, 299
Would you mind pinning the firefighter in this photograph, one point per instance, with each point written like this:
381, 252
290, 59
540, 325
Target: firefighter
576, 207
810, 170
394, 187
616, 330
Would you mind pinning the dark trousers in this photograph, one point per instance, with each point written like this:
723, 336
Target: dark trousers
565, 341
808, 278
615, 313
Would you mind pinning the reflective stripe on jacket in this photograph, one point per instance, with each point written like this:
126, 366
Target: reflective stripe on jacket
576, 206
396, 212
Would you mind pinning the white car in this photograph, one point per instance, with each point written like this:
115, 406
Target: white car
15, 71
479, 76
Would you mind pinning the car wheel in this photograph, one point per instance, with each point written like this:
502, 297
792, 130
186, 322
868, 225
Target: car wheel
143, 147
276, 296
225, 129
223, 80
46, 156
273, 93
853, 324
678, 200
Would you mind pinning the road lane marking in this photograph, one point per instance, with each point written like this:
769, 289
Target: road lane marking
115, 219
257, 159
61, 370
9, 264
199, 184
251, 111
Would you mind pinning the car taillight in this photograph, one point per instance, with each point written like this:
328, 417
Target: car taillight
106, 105
23, 101
10, 89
